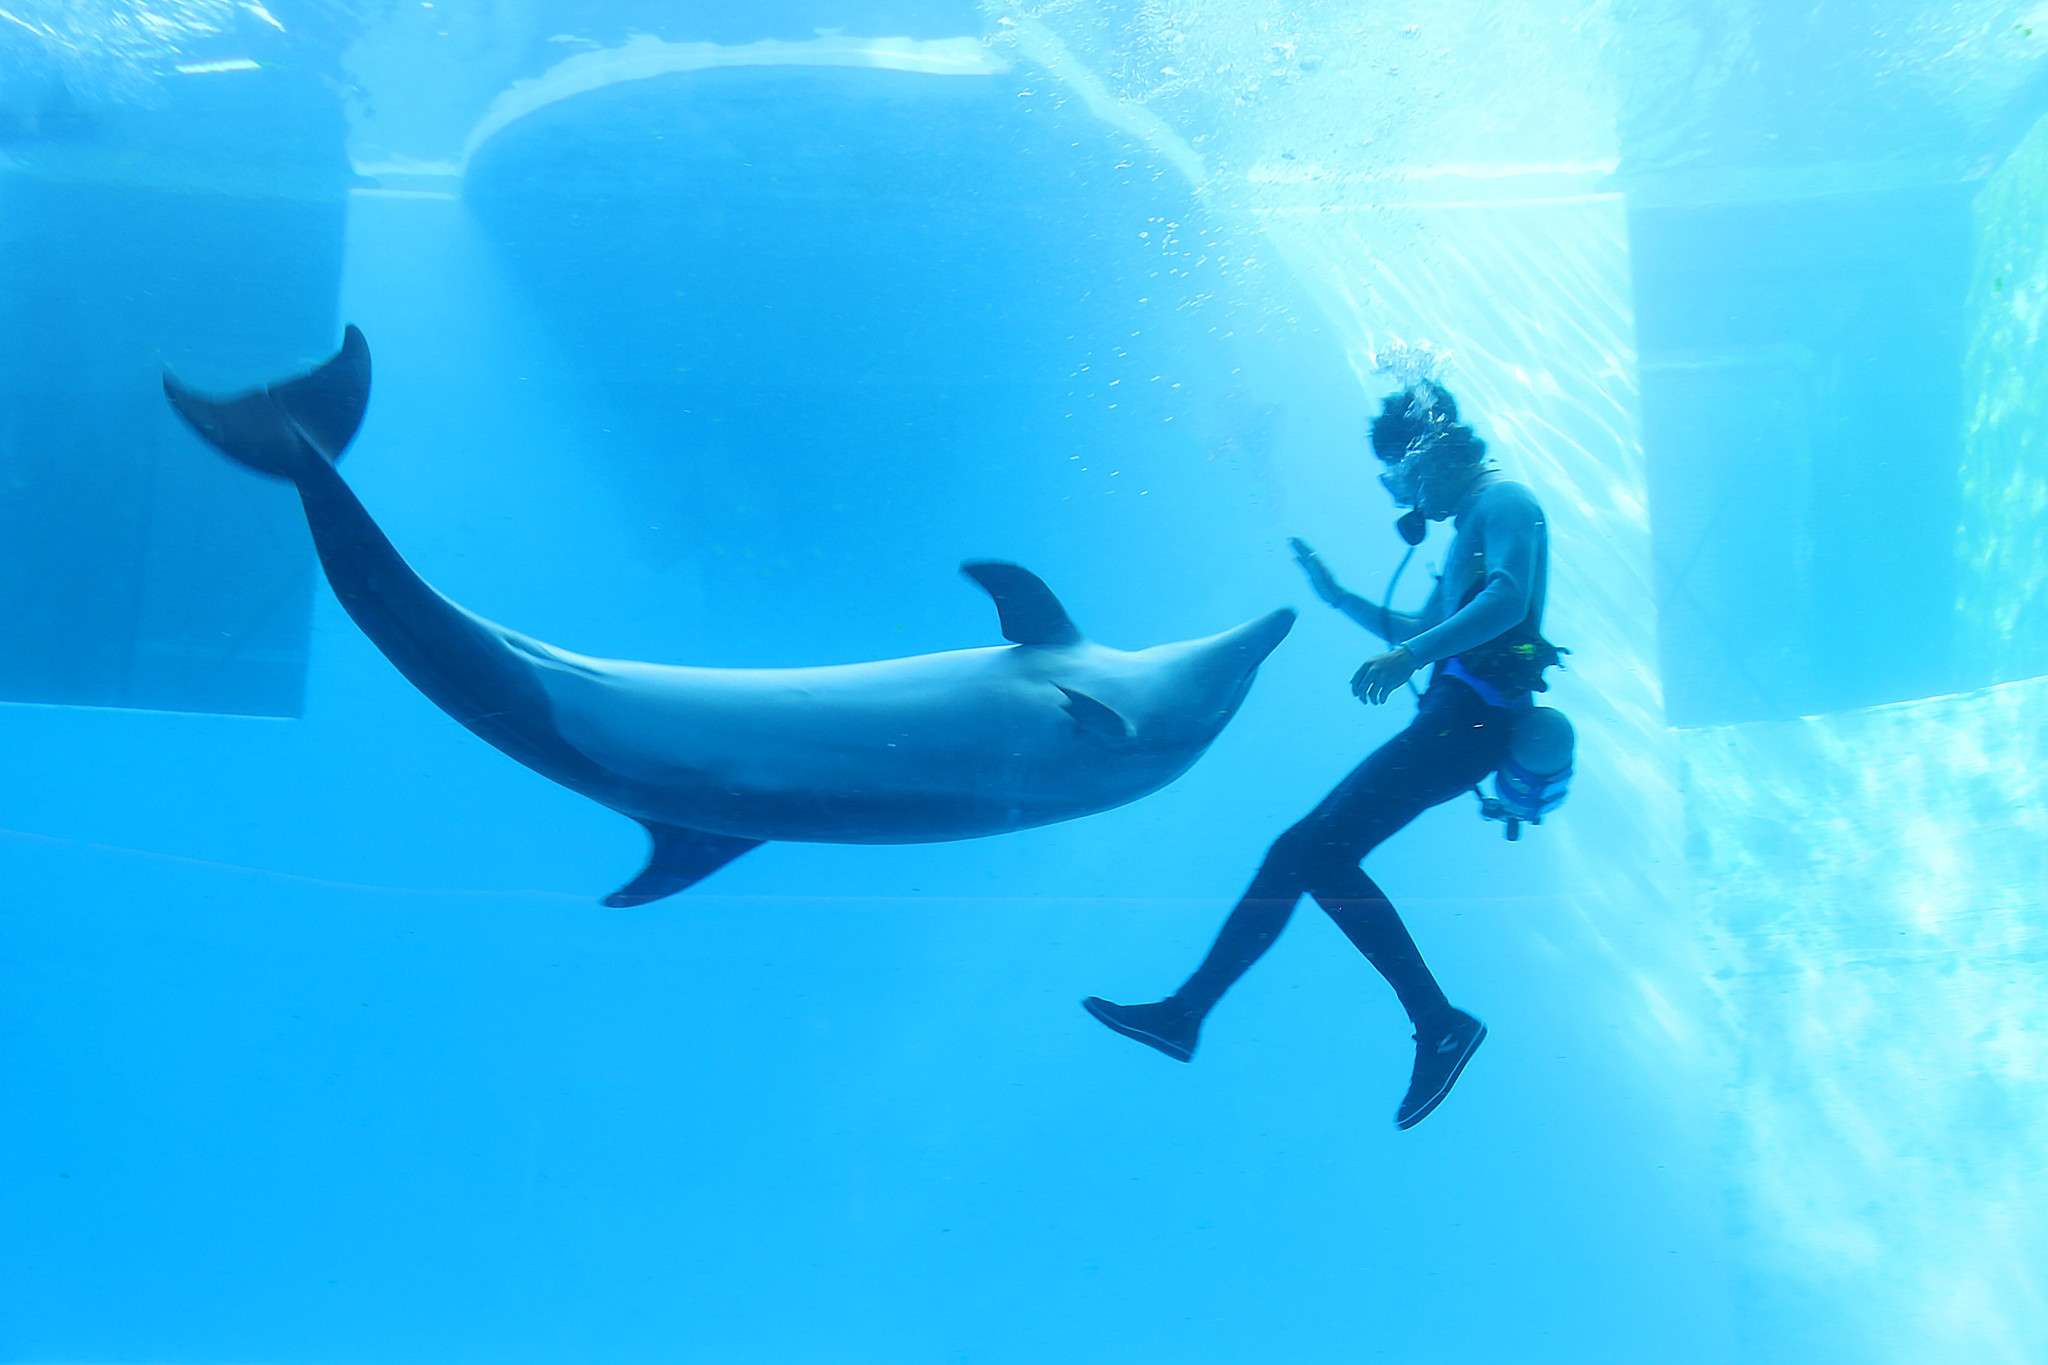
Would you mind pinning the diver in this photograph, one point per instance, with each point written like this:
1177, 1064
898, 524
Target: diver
1481, 630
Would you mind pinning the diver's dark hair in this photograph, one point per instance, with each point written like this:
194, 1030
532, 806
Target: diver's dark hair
1459, 444
1407, 413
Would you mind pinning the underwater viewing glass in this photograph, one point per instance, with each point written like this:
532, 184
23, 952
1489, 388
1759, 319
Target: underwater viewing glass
725, 681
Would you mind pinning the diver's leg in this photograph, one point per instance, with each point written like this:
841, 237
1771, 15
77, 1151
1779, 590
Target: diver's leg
1174, 1024
1369, 920
1320, 855
1454, 741
1422, 766
1254, 922
1445, 1036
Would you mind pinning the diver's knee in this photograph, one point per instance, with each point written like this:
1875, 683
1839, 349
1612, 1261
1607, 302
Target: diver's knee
1288, 851
1305, 850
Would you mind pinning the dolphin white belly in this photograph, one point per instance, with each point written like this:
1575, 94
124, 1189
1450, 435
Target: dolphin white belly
717, 761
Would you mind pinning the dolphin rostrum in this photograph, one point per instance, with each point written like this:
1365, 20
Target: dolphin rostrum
714, 761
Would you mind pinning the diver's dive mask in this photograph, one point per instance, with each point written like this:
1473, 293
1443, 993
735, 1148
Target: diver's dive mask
1429, 415
1403, 481
1426, 424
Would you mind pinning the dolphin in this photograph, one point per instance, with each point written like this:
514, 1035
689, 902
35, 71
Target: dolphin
716, 761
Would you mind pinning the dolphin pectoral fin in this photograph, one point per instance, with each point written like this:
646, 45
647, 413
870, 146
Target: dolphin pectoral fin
1096, 720
681, 858
1030, 614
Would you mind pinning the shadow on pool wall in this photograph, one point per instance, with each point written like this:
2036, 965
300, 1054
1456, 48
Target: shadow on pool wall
852, 326
694, 414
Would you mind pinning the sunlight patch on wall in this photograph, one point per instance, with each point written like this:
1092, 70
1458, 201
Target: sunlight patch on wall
1439, 175
644, 57
1873, 882
2002, 592
1532, 300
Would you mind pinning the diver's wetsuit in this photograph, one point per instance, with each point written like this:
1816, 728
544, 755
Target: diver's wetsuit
1491, 592
1455, 740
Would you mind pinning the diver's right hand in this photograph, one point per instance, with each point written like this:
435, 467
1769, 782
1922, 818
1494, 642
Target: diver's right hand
1319, 576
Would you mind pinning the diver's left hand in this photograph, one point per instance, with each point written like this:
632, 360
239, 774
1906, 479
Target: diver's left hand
1378, 676
1319, 576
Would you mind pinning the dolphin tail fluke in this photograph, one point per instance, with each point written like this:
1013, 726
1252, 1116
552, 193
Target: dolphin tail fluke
326, 404
681, 858
279, 429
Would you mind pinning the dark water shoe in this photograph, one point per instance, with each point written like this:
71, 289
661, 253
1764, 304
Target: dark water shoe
1441, 1050
1168, 1025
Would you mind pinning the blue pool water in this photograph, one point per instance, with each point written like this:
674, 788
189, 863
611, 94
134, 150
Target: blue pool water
722, 335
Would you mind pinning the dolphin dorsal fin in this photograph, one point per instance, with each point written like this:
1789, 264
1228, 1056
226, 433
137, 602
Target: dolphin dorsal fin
1030, 614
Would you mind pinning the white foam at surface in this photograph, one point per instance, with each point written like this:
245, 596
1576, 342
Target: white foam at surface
644, 57
217, 67
106, 51
1040, 45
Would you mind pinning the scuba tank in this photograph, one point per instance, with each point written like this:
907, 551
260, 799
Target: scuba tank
1532, 780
